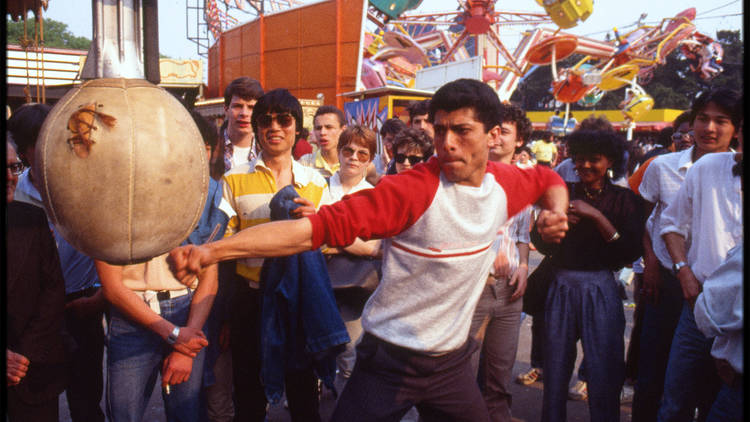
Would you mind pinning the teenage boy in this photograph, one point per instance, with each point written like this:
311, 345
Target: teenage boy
276, 121
328, 123
498, 312
661, 294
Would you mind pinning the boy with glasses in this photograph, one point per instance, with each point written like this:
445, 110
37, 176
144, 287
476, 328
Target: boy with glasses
276, 121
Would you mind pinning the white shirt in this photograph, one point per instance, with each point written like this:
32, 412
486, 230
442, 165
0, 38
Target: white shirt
239, 157
707, 211
661, 181
718, 309
336, 189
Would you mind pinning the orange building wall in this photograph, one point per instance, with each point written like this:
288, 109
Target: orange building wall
308, 50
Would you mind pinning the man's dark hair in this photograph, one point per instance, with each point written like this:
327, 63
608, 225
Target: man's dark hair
510, 113
392, 126
207, 129
24, 125
596, 123
210, 137
470, 93
329, 109
724, 98
418, 108
607, 143
414, 138
278, 100
243, 87
684, 117
664, 138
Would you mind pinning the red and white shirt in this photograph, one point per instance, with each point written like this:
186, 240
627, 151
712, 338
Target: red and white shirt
437, 248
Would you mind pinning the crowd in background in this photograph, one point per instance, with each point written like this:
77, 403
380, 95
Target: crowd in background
243, 332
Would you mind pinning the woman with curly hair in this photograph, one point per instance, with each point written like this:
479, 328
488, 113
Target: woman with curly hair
606, 226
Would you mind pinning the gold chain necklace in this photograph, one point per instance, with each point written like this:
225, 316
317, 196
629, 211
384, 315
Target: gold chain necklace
592, 195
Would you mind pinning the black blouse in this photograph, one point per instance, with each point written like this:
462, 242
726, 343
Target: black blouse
584, 248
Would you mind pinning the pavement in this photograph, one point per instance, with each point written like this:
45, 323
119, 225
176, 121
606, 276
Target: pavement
527, 400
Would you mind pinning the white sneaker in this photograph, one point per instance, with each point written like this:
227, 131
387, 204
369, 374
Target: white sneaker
578, 391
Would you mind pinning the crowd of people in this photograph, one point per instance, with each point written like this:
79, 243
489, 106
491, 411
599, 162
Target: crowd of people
399, 268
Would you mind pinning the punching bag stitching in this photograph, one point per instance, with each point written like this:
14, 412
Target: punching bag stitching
131, 173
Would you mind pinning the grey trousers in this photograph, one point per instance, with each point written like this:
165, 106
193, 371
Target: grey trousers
498, 347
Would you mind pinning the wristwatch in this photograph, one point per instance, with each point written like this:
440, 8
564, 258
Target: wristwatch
678, 265
172, 337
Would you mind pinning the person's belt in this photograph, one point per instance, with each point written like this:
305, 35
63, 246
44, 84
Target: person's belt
171, 294
153, 297
89, 291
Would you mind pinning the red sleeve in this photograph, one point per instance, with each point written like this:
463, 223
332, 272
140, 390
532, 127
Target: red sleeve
391, 207
523, 186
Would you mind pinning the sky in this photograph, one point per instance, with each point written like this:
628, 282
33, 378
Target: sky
623, 14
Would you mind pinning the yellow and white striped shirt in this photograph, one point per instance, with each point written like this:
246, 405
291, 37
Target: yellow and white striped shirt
249, 188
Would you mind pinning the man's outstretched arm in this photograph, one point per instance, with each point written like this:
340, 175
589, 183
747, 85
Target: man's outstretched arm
277, 238
552, 222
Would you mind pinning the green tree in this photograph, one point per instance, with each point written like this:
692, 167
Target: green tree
56, 34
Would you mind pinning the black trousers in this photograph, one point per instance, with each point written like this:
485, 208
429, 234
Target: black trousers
85, 385
388, 380
20, 411
301, 387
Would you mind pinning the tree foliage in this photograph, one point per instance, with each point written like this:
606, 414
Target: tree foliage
56, 34
673, 84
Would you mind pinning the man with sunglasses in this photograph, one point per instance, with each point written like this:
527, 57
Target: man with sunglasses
328, 123
439, 221
276, 121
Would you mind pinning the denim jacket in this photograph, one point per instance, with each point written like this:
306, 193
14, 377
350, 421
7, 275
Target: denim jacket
212, 217
301, 324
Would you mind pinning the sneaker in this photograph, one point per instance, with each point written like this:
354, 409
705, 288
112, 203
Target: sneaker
578, 391
534, 374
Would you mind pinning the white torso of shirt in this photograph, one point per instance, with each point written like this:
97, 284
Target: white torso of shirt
661, 181
707, 211
239, 155
336, 189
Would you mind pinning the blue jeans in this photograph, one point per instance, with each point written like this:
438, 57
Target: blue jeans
134, 358
584, 305
728, 405
657, 329
691, 380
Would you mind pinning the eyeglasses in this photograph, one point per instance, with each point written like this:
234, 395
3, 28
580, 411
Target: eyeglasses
16, 168
284, 120
413, 159
679, 135
361, 154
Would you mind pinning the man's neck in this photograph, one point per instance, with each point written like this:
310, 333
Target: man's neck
280, 166
240, 140
698, 153
505, 160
